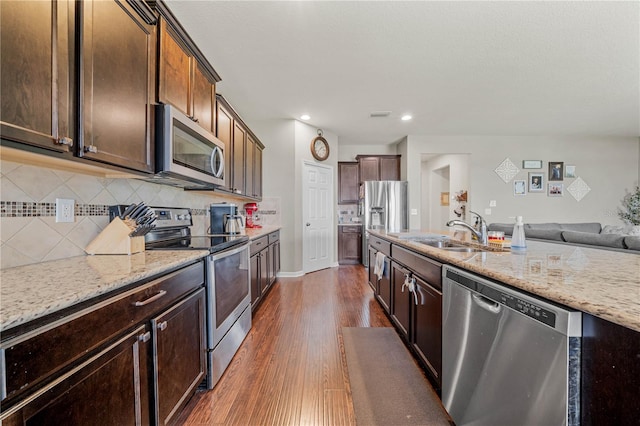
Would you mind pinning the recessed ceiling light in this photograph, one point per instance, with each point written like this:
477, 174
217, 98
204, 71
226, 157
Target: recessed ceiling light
305, 117
406, 117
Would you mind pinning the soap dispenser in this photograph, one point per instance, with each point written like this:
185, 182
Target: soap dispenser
517, 238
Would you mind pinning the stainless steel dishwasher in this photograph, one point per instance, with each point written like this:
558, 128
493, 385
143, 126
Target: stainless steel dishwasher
507, 358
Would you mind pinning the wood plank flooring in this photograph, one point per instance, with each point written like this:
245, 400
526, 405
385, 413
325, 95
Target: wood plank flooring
291, 368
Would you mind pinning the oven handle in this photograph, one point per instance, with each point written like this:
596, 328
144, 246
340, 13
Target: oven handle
226, 253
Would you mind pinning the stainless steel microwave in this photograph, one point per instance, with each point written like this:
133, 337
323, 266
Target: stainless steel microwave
186, 154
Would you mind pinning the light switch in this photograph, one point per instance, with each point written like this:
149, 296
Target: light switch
492, 203
414, 212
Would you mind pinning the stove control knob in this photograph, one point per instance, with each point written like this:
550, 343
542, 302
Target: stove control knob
187, 216
180, 217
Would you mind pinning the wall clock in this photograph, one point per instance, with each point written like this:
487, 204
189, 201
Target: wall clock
320, 147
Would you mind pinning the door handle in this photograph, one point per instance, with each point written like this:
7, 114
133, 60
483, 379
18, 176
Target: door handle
488, 304
308, 224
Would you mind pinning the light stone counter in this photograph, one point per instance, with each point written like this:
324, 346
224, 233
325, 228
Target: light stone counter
254, 233
603, 283
33, 291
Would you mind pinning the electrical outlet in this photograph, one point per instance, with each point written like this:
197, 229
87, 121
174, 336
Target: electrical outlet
492, 203
65, 210
414, 212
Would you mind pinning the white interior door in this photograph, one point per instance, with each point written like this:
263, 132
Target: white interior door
317, 201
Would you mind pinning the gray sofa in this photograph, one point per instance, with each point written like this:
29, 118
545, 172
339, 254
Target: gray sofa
617, 238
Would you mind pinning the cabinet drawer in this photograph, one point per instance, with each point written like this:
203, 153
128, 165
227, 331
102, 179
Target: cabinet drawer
350, 229
258, 245
274, 236
380, 244
427, 268
31, 358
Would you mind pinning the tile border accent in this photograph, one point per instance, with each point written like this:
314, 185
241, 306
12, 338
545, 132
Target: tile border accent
33, 209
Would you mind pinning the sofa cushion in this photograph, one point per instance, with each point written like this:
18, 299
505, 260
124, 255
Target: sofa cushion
632, 243
507, 228
544, 234
593, 227
632, 230
606, 240
544, 226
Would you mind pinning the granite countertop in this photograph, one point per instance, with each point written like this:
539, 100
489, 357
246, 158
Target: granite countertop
33, 291
254, 233
603, 283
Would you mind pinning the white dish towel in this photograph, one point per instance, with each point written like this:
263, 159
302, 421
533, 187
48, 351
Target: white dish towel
378, 268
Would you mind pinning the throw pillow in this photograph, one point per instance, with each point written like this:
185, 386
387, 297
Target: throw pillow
632, 230
605, 240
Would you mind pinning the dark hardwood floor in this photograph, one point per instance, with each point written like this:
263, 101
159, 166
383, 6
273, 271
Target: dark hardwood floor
291, 369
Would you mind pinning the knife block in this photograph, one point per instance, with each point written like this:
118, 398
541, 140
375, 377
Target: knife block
115, 239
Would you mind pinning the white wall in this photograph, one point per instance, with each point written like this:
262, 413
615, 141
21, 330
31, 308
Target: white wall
432, 215
608, 165
349, 152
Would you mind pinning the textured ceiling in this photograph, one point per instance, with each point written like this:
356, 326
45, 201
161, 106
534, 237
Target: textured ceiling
481, 68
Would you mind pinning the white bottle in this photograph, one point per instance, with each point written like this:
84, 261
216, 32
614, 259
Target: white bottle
518, 241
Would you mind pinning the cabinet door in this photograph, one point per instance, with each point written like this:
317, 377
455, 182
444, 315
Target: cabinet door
264, 271
276, 259
224, 132
400, 310
117, 90
348, 182
179, 355
36, 72
254, 263
249, 166
349, 245
239, 138
369, 168
257, 172
110, 388
389, 168
175, 69
373, 279
272, 258
203, 97
427, 331
384, 287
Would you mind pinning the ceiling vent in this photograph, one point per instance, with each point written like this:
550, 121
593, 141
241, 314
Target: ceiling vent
379, 114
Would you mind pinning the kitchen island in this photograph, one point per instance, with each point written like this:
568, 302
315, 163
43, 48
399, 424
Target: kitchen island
603, 285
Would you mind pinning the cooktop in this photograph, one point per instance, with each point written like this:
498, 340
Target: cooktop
213, 243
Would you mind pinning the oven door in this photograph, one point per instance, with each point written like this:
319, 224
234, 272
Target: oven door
228, 291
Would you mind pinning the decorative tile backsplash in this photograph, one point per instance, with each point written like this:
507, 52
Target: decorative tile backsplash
29, 232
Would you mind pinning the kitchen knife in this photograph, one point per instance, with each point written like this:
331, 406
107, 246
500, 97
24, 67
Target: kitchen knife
127, 211
138, 211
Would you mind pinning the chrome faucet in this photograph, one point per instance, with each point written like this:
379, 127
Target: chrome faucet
481, 235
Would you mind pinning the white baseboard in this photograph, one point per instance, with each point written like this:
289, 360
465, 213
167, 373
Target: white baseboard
290, 274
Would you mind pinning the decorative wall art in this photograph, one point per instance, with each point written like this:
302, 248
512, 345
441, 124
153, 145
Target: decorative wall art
570, 171
556, 170
578, 189
532, 164
536, 182
444, 198
519, 187
507, 170
556, 189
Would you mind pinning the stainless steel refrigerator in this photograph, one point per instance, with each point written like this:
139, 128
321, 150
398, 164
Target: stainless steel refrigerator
385, 206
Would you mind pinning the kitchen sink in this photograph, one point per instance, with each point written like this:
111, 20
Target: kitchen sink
464, 249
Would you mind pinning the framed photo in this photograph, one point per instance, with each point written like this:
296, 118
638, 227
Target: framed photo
532, 164
536, 182
444, 198
556, 170
519, 187
570, 171
556, 189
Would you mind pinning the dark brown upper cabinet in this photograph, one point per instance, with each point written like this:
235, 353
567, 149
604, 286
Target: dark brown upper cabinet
348, 182
379, 167
243, 153
36, 73
182, 81
117, 83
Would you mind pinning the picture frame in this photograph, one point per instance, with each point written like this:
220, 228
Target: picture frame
570, 171
555, 189
531, 164
519, 187
556, 171
536, 182
444, 198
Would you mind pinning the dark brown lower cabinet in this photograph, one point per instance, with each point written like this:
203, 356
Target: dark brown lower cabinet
373, 280
427, 328
401, 308
349, 245
179, 355
381, 287
109, 388
264, 265
610, 372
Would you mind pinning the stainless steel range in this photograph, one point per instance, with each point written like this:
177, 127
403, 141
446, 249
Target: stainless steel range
228, 285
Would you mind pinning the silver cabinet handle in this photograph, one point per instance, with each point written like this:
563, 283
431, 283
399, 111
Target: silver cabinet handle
162, 326
91, 148
65, 141
151, 299
145, 337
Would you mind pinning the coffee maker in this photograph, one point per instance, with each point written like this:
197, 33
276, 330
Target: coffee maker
249, 208
217, 213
